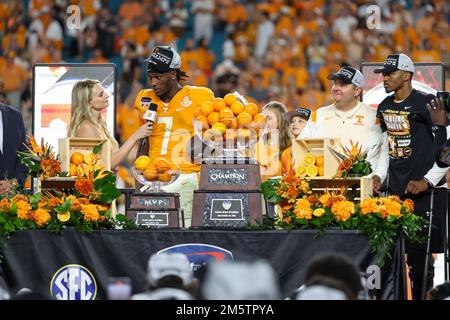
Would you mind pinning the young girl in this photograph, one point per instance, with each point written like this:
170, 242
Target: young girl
297, 120
89, 98
273, 140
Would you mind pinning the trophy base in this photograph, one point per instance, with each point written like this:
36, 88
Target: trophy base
230, 209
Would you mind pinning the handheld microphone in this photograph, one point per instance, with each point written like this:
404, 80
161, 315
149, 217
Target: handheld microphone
150, 115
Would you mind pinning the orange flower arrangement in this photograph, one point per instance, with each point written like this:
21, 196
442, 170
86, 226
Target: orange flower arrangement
84, 186
40, 159
41, 216
303, 209
90, 212
343, 210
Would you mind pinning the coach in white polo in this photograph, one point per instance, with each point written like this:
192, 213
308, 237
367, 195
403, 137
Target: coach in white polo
349, 119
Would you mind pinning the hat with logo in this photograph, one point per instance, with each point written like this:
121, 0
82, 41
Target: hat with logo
163, 59
301, 112
169, 264
394, 62
348, 75
238, 280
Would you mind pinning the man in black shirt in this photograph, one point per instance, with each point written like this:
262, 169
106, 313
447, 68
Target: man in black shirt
412, 172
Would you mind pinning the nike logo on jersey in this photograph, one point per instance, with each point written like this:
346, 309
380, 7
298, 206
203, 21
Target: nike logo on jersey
406, 108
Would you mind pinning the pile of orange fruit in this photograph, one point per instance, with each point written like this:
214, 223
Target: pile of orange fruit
228, 118
313, 165
159, 169
79, 162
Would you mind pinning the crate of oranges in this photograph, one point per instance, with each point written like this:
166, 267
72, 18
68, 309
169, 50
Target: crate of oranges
228, 119
313, 158
76, 154
160, 170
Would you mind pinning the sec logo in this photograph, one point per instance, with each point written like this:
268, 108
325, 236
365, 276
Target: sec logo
73, 282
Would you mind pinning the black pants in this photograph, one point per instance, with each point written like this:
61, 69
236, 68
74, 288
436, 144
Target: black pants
416, 252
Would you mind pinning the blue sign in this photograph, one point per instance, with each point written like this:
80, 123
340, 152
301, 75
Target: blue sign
199, 253
73, 282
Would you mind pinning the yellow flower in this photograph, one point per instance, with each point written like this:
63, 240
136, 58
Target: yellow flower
23, 209
324, 199
343, 210
369, 206
90, 212
393, 208
409, 204
303, 209
41, 216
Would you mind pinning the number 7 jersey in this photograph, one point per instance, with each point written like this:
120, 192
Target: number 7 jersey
174, 126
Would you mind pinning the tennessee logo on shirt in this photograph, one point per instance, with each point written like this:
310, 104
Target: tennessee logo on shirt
359, 122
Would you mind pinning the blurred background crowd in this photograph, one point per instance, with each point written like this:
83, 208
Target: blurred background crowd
267, 50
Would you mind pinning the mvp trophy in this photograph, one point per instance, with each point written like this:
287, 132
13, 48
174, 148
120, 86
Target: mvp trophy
152, 207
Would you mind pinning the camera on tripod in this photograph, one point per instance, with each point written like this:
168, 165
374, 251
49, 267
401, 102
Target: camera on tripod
445, 96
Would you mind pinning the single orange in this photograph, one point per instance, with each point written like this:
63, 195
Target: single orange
162, 164
164, 177
206, 107
219, 126
237, 107
244, 119
309, 160
251, 108
213, 117
219, 104
230, 98
142, 162
72, 170
77, 158
311, 171
260, 120
151, 174
321, 171
320, 161
226, 113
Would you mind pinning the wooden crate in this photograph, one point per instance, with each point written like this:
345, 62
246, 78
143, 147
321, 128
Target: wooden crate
317, 147
67, 146
359, 188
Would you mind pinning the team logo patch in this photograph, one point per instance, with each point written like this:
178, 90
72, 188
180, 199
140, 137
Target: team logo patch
73, 282
186, 102
145, 102
226, 205
199, 254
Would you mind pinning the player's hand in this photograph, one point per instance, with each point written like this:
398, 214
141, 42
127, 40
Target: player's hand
376, 184
437, 112
416, 187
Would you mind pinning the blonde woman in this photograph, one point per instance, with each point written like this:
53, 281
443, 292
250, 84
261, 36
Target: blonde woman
89, 98
273, 141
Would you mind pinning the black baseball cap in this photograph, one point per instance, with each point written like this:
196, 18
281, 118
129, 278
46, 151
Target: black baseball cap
394, 62
163, 59
301, 112
348, 75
